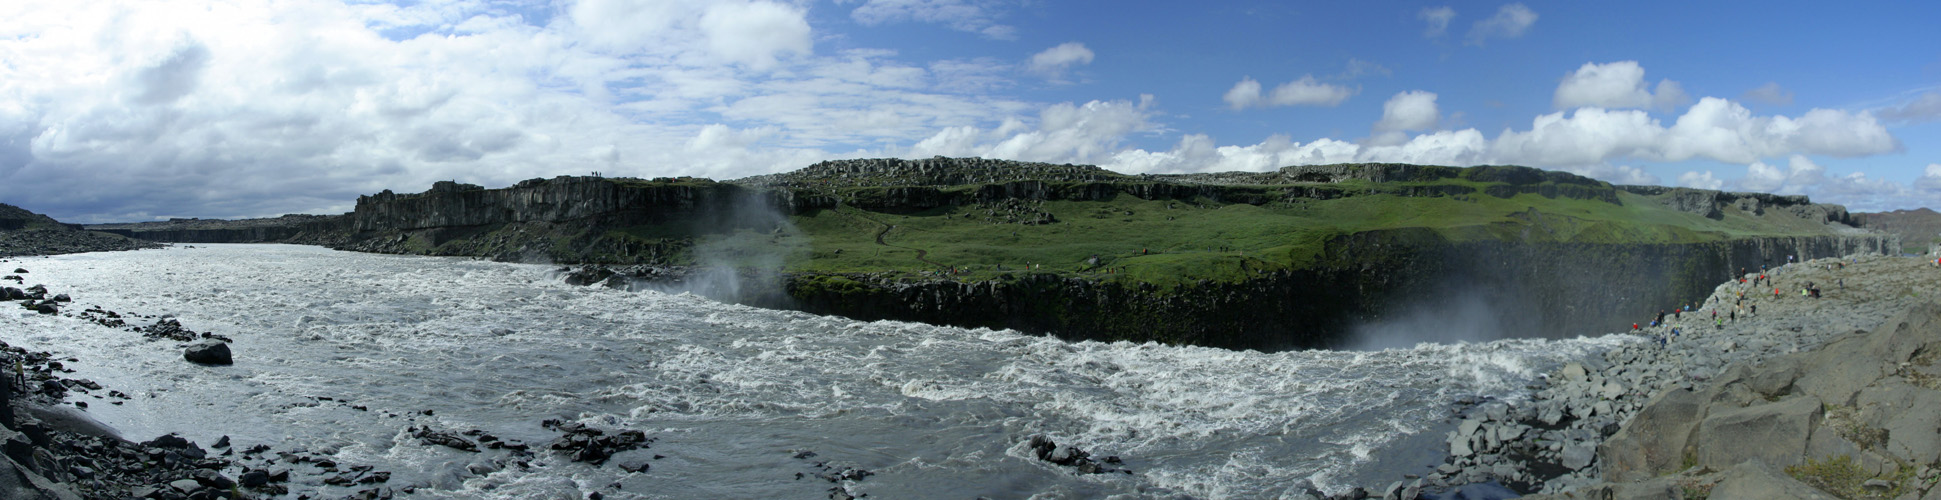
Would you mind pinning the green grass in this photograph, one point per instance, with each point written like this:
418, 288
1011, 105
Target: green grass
1173, 241
1843, 478
1162, 242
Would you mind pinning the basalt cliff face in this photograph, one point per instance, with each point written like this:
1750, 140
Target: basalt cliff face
1538, 273
1527, 290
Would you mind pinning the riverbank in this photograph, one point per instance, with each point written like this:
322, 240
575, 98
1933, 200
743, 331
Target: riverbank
1827, 392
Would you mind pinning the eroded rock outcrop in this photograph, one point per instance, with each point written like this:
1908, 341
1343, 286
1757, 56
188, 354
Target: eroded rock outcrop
1859, 417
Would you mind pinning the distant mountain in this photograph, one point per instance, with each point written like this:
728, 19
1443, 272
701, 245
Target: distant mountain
1918, 228
26, 233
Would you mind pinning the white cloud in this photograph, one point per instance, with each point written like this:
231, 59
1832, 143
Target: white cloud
1669, 95
1303, 92
1064, 133
1444, 147
1244, 94
1411, 110
1800, 173
1510, 21
1701, 180
1615, 174
1197, 153
754, 33
1925, 108
131, 110
1054, 61
1615, 85
1713, 128
1770, 93
973, 16
1436, 19
1929, 183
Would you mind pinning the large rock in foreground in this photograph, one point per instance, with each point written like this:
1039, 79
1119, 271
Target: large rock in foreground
1860, 417
208, 352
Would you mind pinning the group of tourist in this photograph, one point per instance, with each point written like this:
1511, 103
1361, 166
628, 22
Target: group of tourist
1664, 331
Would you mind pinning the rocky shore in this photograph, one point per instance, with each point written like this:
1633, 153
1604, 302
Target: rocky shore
1830, 397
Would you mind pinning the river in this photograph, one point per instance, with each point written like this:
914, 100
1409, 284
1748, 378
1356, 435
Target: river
733, 395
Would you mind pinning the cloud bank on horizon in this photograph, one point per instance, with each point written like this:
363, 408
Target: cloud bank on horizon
137, 110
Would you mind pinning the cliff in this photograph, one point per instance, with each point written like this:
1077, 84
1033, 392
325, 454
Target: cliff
218, 231
1919, 229
1292, 258
27, 233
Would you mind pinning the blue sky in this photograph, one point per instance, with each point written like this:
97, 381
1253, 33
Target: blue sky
117, 111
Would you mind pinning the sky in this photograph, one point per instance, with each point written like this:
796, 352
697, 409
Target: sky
115, 111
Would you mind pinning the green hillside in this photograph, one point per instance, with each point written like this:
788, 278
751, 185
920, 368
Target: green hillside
1167, 241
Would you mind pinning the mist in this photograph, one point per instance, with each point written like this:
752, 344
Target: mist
1456, 315
738, 253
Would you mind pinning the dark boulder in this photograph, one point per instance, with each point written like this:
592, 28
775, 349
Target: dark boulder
444, 438
212, 479
255, 478
47, 308
208, 352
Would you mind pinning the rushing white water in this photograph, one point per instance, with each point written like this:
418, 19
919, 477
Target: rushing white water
732, 393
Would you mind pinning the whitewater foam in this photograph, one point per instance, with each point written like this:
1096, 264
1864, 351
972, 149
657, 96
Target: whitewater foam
732, 392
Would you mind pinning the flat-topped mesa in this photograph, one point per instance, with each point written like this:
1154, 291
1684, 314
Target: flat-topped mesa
935, 171
624, 201
1711, 204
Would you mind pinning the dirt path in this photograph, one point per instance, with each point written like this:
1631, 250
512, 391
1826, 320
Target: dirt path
921, 253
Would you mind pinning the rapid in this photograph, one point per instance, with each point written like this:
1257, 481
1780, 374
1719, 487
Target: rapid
733, 396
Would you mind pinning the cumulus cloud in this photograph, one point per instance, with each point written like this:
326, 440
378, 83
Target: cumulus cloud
1510, 21
1700, 180
1063, 133
1615, 85
974, 16
1929, 183
1770, 93
1615, 174
1436, 20
1713, 128
1054, 61
126, 111
1925, 108
1411, 110
1303, 92
1799, 174
753, 33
